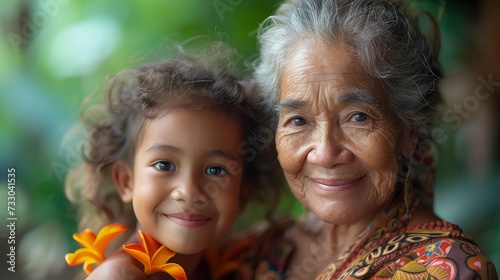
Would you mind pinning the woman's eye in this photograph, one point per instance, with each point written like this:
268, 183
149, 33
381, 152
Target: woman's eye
216, 171
164, 166
298, 121
360, 117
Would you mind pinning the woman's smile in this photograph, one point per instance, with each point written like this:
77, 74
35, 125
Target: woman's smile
335, 184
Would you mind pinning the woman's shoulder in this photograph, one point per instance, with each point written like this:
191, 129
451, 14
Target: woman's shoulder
440, 248
452, 257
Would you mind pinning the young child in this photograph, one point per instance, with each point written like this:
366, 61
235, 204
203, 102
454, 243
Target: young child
178, 141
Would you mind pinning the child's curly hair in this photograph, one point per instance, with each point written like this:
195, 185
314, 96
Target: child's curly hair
145, 92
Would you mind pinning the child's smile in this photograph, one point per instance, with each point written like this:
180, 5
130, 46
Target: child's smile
188, 220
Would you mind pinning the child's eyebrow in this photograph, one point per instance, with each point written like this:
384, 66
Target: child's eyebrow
158, 147
220, 153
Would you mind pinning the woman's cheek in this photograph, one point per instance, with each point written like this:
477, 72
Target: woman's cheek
289, 148
380, 156
384, 181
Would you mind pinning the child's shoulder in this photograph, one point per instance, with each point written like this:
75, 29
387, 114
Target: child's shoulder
118, 266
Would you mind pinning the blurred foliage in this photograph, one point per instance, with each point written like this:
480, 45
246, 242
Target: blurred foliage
53, 53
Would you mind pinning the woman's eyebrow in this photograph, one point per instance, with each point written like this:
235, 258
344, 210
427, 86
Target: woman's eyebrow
290, 104
362, 95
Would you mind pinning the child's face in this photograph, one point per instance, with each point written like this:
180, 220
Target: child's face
186, 178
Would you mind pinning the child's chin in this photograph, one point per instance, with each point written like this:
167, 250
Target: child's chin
188, 251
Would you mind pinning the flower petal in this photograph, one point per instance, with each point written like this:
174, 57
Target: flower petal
149, 243
82, 255
162, 255
106, 234
87, 266
137, 252
85, 238
154, 256
173, 269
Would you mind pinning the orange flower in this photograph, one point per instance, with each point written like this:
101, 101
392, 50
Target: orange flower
154, 256
93, 247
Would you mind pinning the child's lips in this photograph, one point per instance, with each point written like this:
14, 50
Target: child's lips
188, 220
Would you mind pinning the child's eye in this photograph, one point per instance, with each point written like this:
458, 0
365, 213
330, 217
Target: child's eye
164, 166
360, 117
215, 171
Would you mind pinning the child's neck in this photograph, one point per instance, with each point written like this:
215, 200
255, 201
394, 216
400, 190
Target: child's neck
192, 264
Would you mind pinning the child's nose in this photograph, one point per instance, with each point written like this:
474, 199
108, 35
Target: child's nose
190, 192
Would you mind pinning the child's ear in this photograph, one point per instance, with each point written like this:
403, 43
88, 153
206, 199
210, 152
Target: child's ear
122, 176
246, 191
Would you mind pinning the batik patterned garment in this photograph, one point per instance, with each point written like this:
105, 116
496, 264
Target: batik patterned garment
387, 250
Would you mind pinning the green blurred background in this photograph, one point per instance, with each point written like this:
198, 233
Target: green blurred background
53, 53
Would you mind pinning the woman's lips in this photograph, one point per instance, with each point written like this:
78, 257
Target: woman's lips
188, 220
335, 184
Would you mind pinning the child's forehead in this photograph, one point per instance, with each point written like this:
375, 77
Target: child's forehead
222, 117
192, 133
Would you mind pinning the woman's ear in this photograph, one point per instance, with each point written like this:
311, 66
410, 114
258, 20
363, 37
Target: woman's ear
409, 144
122, 176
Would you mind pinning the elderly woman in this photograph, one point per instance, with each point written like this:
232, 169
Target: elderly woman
355, 87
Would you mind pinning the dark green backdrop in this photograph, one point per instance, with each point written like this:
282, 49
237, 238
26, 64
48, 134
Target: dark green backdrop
55, 52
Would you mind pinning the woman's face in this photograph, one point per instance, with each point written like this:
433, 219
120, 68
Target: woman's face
337, 137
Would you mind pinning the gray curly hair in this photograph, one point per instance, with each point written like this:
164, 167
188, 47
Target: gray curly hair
386, 39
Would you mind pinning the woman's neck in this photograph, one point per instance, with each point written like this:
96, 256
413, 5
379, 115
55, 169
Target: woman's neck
343, 236
340, 237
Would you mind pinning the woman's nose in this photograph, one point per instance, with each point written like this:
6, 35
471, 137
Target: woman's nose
190, 191
327, 150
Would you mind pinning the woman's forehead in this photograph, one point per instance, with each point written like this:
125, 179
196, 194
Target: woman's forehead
318, 67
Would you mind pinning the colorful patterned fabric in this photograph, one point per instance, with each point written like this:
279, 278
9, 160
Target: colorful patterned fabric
388, 250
